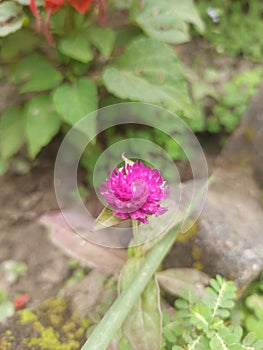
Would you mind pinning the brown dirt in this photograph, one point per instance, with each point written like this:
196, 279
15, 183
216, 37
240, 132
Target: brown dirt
22, 199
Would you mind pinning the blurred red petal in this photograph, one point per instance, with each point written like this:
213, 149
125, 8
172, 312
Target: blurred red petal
20, 301
82, 6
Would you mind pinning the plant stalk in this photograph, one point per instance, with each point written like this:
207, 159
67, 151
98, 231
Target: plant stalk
113, 319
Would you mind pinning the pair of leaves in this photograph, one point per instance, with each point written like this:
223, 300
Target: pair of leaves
36, 125
41, 118
78, 45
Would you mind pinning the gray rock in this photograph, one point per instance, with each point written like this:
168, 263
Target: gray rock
229, 238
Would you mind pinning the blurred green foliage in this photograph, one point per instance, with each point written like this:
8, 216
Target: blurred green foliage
234, 27
232, 104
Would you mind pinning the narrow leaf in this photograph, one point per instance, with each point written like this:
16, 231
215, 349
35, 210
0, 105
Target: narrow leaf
145, 316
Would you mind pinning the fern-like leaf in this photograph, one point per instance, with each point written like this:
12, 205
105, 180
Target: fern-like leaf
221, 295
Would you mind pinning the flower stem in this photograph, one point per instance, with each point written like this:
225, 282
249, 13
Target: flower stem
113, 319
137, 248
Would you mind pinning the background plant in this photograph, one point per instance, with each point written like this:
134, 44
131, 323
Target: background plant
57, 86
132, 59
242, 15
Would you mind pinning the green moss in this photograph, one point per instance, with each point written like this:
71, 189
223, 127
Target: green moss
27, 316
51, 326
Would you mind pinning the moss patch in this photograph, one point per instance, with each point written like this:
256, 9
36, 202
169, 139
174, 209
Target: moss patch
51, 327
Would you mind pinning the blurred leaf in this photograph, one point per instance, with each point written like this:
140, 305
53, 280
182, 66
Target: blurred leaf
124, 36
93, 255
3, 166
177, 280
76, 46
106, 219
120, 4
22, 41
254, 325
7, 309
12, 135
76, 101
166, 20
103, 39
14, 269
10, 18
149, 71
42, 123
36, 73
142, 327
255, 303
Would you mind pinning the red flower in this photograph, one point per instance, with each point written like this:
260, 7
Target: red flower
20, 301
53, 6
80, 5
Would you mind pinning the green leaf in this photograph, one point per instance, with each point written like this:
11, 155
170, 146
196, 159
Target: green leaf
103, 39
75, 101
142, 327
150, 71
12, 134
124, 36
3, 166
7, 309
20, 42
255, 303
10, 18
166, 20
106, 219
42, 123
254, 325
76, 46
201, 317
36, 73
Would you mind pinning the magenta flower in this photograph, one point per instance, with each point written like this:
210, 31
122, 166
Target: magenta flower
135, 191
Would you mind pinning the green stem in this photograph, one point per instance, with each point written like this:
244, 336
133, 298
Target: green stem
137, 248
113, 319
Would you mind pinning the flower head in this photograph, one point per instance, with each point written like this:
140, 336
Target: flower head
135, 191
52, 6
